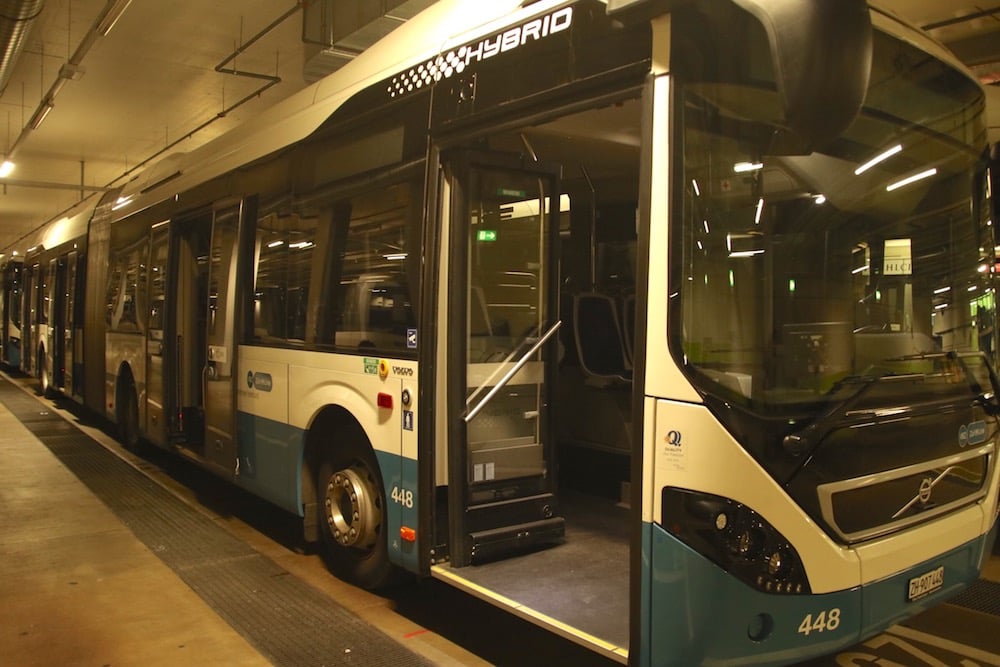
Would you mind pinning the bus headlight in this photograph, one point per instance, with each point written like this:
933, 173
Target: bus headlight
736, 538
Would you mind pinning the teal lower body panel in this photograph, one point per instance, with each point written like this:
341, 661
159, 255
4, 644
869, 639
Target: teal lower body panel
270, 455
695, 613
399, 476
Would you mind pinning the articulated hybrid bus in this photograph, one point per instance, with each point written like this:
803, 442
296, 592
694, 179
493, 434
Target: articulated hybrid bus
668, 326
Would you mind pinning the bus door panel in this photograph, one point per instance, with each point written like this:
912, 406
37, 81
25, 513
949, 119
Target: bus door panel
220, 354
28, 323
503, 293
156, 420
54, 308
185, 346
67, 293
58, 335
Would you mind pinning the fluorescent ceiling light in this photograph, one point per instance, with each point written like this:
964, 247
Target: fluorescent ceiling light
742, 167
760, 209
275, 244
911, 179
882, 157
745, 253
6, 168
40, 114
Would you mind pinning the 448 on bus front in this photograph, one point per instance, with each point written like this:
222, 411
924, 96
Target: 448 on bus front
827, 620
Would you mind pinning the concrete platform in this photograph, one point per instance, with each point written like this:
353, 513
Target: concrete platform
78, 588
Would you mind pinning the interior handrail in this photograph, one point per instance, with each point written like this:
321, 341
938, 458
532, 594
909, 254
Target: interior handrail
518, 365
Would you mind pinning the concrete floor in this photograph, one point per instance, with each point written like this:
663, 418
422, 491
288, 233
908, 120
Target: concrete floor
77, 588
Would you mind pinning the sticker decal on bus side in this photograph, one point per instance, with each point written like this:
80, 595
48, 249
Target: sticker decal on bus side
674, 452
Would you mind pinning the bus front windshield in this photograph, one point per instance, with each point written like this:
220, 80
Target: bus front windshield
799, 273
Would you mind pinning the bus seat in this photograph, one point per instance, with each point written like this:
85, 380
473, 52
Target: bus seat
598, 337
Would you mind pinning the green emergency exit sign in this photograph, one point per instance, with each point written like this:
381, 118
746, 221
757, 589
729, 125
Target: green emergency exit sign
487, 235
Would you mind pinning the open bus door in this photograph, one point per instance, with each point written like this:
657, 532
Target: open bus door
503, 306
200, 334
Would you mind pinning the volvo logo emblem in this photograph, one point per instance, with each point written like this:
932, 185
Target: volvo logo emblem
926, 487
923, 497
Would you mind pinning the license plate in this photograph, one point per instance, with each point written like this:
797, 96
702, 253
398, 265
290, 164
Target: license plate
925, 584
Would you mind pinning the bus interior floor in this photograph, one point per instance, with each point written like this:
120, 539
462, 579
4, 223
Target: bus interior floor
583, 581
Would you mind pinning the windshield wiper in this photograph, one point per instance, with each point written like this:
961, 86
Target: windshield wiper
802, 442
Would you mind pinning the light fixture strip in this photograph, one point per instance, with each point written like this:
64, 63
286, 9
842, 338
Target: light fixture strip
882, 157
911, 179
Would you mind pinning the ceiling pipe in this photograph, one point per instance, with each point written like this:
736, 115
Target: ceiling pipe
962, 19
16, 19
73, 68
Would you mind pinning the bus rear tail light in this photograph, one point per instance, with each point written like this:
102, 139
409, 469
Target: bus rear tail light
736, 538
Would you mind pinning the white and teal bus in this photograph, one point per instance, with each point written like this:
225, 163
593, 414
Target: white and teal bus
667, 325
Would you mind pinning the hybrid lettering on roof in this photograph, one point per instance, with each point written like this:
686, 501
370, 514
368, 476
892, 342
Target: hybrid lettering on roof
456, 61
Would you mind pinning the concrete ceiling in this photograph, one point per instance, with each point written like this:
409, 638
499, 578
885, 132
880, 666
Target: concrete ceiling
171, 75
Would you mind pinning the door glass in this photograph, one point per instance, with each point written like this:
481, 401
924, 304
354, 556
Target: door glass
508, 312
189, 323
220, 392
157, 343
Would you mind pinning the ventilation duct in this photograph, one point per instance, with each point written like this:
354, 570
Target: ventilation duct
335, 31
16, 19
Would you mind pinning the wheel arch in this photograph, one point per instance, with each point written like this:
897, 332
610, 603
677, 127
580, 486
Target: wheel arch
320, 439
123, 376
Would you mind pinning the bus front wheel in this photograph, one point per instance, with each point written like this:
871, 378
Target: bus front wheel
352, 513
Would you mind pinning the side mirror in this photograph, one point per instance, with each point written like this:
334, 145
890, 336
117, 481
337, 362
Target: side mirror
821, 51
822, 55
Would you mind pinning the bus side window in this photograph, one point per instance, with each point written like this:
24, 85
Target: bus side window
369, 280
284, 255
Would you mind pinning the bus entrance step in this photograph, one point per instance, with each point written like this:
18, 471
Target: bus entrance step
496, 542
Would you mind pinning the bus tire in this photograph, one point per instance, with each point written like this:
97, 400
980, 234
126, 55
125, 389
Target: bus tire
352, 512
44, 377
127, 408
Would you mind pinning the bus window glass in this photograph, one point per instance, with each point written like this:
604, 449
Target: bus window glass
284, 252
125, 298
158, 282
367, 280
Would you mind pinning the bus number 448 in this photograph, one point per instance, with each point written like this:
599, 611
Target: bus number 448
824, 620
403, 497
